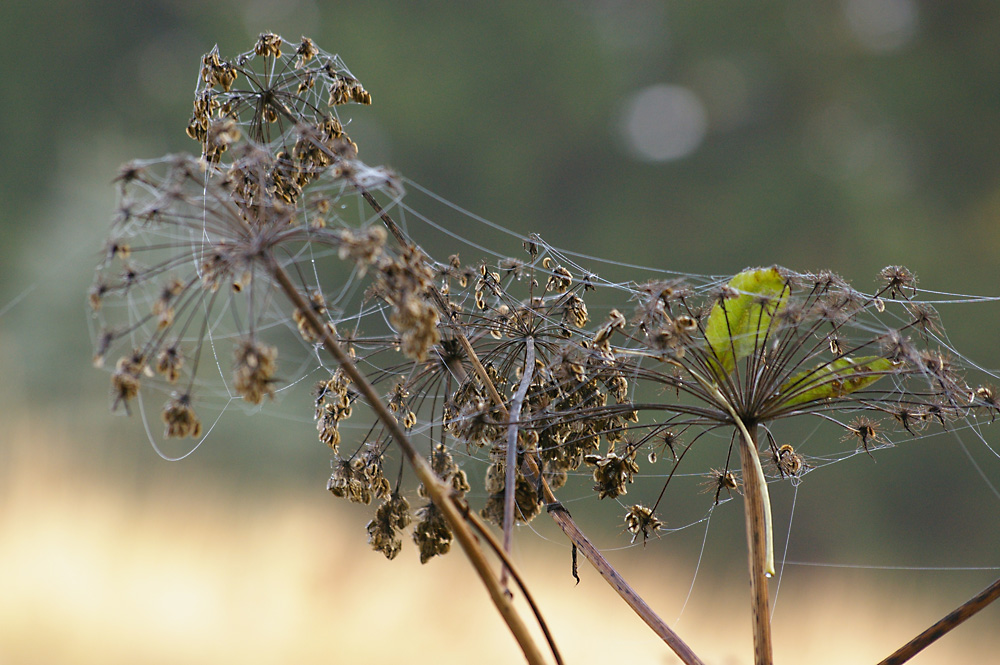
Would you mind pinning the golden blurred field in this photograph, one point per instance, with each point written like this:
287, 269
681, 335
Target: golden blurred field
107, 565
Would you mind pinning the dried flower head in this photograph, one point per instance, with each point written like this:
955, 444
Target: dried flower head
789, 462
281, 85
125, 380
642, 520
612, 473
253, 371
391, 517
431, 533
179, 418
865, 431
719, 480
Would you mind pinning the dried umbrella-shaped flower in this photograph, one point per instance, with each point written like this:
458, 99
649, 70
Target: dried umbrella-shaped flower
192, 237
197, 235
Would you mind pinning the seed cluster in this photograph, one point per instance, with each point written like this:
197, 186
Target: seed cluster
200, 239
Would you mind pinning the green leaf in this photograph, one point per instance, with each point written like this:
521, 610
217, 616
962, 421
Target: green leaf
738, 327
835, 379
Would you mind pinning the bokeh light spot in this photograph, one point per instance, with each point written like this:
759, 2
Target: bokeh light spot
663, 122
881, 25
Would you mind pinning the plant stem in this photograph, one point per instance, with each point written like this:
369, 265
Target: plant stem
562, 517
953, 619
569, 527
439, 493
559, 514
510, 487
754, 502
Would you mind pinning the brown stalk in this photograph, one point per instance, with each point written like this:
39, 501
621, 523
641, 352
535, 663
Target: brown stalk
939, 629
753, 504
569, 527
559, 514
439, 493
483, 530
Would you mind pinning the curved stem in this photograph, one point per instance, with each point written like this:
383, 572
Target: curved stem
560, 515
569, 527
509, 497
752, 462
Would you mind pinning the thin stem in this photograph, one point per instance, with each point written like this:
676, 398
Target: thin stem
439, 493
560, 516
569, 527
509, 566
953, 619
509, 498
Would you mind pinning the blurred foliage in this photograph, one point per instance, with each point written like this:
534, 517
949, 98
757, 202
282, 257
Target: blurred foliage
820, 151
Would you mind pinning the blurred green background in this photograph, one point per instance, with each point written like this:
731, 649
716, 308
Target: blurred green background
695, 136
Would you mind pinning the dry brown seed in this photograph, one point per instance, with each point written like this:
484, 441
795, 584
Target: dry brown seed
179, 418
640, 519
253, 371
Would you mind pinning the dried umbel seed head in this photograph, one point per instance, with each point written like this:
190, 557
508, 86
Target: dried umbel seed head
179, 418
169, 362
641, 520
612, 473
369, 465
391, 517
897, 280
333, 404
446, 469
560, 280
317, 303
417, 320
719, 480
527, 504
431, 533
348, 481
575, 311
267, 44
345, 89
789, 462
163, 308
618, 387
987, 396
125, 379
253, 371
306, 51
865, 430
284, 86
363, 246
496, 477
616, 321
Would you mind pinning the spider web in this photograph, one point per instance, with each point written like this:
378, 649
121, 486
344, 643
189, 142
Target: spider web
213, 326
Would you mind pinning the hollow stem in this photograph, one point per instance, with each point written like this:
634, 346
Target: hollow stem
755, 502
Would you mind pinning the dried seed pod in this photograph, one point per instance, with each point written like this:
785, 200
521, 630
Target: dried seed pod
179, 418
431, 534
612, 473
641, 520
392, 516
253, 371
